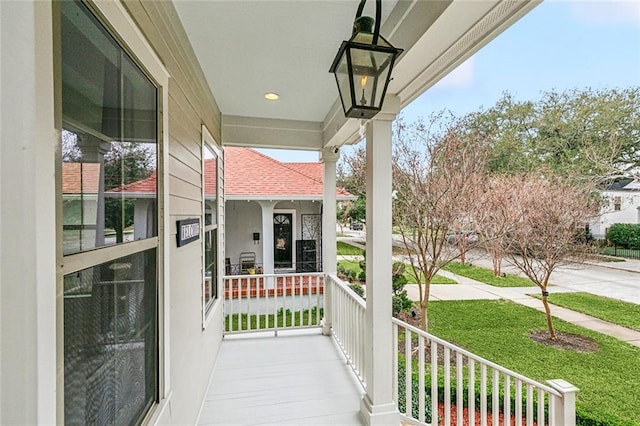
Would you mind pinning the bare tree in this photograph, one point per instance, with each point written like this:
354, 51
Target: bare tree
436, 176
547, 216
493, 217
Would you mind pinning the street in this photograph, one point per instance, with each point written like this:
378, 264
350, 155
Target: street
617, 280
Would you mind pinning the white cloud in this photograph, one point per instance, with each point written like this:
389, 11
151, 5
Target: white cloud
461, 77
599, 12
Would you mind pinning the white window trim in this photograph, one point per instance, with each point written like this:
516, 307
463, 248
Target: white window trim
208, 141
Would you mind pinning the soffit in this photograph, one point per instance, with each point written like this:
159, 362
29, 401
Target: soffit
247, 48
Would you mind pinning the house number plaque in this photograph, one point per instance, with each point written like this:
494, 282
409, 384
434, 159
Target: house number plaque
188, 230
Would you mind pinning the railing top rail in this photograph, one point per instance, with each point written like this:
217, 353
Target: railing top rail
343, 286
481, 360
297, 274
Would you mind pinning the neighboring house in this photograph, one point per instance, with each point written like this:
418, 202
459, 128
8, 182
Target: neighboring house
287, 195
622, 206
273, 212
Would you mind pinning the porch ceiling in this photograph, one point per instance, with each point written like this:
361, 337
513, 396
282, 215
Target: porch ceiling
248, 48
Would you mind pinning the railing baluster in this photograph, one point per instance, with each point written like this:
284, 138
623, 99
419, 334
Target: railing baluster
552, 411
459, 389
308, 301
447, 386
529, 404
408, 400
495, 392
394, 389
541, 397
434, 382
507, 400
472, 392
248, 304
360, 364
421, 396
483, 395
518, 402
233, 301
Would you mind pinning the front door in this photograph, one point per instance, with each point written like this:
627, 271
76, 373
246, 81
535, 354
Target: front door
282, 236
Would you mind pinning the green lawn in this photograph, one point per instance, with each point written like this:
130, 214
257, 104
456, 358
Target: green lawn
486, 276
498, 330
612, 310
346, 249
438, 279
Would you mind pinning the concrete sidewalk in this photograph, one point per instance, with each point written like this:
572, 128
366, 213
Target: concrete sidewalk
469, 289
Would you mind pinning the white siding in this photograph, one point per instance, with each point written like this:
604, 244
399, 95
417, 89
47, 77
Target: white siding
193, 350
629, 212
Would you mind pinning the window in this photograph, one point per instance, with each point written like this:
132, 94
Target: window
109, 138
109, 151
211, 189
617, 203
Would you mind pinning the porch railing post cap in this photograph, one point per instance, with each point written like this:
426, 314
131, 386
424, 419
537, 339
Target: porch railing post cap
562, 386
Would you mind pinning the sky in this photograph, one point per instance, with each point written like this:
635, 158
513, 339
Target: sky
559, 45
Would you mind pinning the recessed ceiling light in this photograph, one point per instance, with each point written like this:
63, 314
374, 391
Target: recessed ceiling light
271, 96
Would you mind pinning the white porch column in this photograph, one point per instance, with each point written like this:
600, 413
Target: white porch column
377, 406
28, 327
329, 156
267, 238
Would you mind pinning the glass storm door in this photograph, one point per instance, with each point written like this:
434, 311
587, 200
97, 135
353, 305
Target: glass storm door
282, 236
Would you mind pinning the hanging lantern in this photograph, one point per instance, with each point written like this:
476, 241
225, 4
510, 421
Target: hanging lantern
363, 66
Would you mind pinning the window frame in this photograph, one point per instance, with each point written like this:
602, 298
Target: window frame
119, 24
209, 142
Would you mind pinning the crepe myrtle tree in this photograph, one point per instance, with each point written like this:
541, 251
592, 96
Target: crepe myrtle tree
546, 216
437, 170
493, 215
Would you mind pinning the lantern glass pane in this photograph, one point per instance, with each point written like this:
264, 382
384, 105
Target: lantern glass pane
370, 71
342, 78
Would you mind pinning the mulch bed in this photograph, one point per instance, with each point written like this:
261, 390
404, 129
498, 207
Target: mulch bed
566, 341
465, 417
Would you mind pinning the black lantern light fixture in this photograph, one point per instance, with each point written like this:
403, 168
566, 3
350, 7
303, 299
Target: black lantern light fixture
363, 66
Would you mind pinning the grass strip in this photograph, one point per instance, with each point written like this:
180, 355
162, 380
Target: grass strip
616, 311
498, 331
347, 249
486, 276
438, 279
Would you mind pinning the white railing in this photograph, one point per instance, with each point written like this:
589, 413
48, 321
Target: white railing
458, 387
347, 324
272, 302
465, 386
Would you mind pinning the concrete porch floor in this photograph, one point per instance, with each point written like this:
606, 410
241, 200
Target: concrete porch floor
299, 377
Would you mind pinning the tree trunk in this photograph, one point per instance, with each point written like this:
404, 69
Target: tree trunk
497, 262
462, 254
424, 320
552, 333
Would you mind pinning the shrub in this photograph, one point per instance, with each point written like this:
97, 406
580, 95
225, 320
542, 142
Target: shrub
357, 289
626, 235
362, 276
400, 301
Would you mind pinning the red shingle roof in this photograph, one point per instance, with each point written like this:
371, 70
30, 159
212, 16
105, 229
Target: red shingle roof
247, 173
144, 186
250, 173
